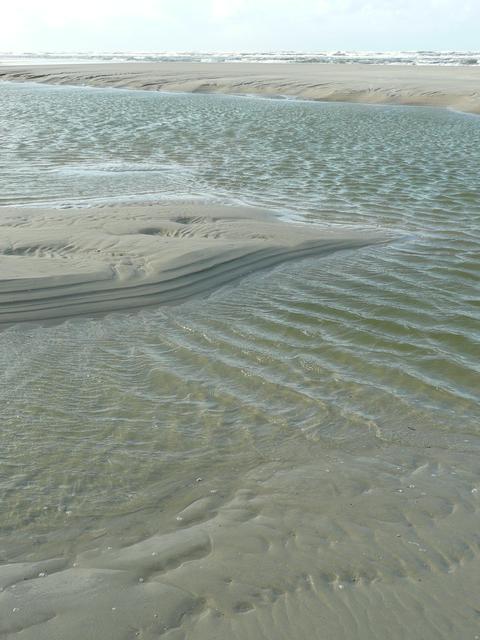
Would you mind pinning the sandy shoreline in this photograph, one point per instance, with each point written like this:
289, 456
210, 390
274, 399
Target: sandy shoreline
57, 264
287, 462
440, 86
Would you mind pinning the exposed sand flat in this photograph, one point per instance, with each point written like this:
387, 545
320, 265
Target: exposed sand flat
455, 87
57, 264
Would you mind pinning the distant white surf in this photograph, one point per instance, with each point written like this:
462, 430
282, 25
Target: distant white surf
455, 58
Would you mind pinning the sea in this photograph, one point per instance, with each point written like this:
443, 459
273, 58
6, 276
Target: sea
456, 58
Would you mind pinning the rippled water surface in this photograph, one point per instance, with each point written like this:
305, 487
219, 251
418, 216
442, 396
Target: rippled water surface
338, 397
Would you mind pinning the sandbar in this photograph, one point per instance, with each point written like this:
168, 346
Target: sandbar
62, 263
440, 86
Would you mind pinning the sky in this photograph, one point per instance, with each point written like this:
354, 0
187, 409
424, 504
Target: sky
239, 25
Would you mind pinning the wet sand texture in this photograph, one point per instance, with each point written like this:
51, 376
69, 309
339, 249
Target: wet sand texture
263, 562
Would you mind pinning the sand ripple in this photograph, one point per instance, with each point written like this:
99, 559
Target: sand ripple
365, 565
83, 262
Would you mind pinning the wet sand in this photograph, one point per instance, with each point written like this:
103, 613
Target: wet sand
440, 86
388, 554
56, 264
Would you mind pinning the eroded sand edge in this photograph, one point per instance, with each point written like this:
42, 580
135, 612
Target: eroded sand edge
61, 263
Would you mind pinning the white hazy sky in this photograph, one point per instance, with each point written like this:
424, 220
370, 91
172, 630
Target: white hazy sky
248, 25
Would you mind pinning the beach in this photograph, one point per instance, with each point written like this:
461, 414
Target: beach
440, 86
239, 352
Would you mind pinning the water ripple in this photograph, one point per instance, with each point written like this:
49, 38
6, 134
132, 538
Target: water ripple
372, 352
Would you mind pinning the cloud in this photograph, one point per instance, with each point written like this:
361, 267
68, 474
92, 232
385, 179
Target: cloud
238, 24
57, 13
225, 9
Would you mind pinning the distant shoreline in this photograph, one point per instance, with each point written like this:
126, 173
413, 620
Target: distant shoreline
455, 87
411, 57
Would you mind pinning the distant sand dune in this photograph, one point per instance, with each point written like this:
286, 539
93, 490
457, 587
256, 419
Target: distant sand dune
441, 86
57, 264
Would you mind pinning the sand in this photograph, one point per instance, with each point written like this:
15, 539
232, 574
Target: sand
388, 551
60, 263
454, 87
314, 541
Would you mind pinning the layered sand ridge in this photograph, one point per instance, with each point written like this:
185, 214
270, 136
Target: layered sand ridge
61, 263
454, 87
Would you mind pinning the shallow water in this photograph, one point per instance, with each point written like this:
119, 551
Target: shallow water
319, 422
